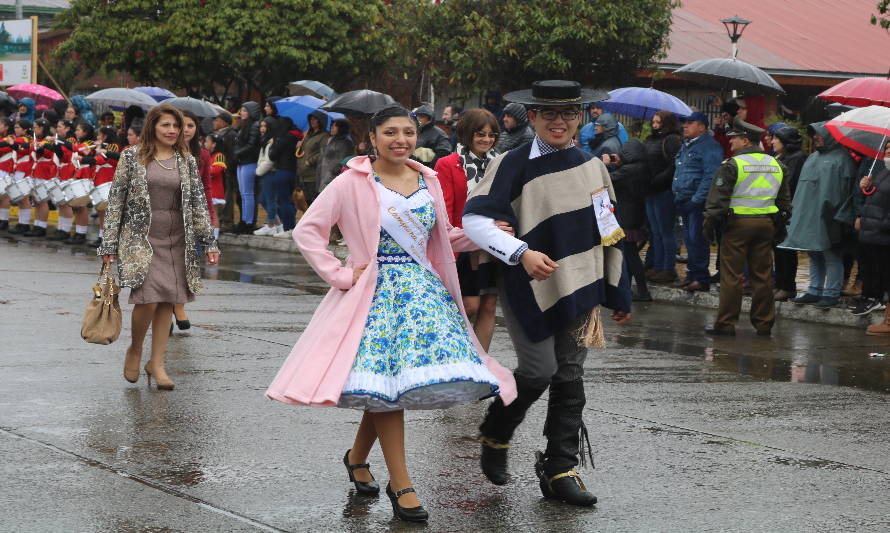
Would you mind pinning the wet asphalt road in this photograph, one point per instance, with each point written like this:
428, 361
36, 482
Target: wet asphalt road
690, 434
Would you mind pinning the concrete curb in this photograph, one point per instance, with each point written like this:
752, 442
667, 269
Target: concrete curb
709, 300
836, 316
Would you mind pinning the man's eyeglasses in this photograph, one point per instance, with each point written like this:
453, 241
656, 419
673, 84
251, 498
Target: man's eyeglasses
549, 114
482, 135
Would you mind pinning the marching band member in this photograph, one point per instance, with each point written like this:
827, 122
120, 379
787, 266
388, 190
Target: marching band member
45, 167
23, 166
63, 147
82, 163
7, 166
107, 155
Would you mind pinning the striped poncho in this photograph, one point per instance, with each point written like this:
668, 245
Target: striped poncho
547, 200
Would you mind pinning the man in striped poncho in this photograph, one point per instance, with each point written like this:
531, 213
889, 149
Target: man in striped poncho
564, 263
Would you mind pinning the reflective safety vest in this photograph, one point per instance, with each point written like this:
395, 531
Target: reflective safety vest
757, 185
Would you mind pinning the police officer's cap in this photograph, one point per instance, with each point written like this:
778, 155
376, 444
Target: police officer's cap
746, 129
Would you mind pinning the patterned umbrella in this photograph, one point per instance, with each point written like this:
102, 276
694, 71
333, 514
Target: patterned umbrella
865, 130
158, 93
40, 94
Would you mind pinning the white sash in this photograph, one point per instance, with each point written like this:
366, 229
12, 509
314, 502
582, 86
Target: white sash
403, 225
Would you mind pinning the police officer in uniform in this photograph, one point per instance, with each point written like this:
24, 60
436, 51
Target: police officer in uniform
749, 200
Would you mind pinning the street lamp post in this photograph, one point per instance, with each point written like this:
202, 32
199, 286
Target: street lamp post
734, 28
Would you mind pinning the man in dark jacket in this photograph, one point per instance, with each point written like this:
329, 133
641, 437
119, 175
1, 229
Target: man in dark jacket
630, 177
516, 129
748, 197
696, 163
432, 143
786, 142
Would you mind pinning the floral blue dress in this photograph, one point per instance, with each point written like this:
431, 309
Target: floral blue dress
415, 351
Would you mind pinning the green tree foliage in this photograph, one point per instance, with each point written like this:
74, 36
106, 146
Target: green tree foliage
509, 43
391, 45
201, 45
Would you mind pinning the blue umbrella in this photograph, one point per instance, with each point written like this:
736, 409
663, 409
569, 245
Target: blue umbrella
311, 87
158, 93
643, 102
298, 108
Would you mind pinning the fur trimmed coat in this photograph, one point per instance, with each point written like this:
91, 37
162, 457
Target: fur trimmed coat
128, 219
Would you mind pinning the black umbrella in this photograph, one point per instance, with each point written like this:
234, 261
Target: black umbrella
363, 102
8, 103
725, 73
198, 107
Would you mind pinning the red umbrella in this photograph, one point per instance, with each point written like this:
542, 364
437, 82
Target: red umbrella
40, 94
865, 130
860, 92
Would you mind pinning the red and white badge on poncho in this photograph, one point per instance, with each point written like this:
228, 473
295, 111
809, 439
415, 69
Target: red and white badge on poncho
609, 229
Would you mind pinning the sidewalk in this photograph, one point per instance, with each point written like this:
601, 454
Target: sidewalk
660, 293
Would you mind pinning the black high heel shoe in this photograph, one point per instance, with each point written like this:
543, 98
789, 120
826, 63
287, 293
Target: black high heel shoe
183, 324
370, 488
409, 514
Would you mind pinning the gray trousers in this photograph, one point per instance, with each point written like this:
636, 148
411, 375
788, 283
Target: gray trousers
556, 359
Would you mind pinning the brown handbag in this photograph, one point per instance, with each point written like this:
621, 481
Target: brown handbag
102, 317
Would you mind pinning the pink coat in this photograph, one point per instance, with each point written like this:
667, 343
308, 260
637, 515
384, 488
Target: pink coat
319, 364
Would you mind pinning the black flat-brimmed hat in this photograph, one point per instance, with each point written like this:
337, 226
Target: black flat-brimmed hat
556, 92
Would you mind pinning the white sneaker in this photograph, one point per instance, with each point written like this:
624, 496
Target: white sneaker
284, 234
266, 230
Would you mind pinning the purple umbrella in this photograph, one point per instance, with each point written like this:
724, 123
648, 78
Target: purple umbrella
158, 93
643, 102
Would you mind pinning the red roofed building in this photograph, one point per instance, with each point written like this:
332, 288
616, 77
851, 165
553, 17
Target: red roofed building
806, 45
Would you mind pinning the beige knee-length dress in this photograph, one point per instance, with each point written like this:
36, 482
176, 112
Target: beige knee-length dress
165, 281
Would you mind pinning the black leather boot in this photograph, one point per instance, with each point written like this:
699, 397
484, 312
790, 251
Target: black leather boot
20, 229
566, 434
498, 427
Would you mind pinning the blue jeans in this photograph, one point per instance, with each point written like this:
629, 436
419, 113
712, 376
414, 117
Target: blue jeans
697, 247
246, 177
277, 189
826, 273
660, 212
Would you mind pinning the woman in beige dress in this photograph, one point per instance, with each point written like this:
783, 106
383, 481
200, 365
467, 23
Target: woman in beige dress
156, 214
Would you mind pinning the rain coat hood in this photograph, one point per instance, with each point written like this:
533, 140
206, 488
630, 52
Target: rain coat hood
632, 151
84, 108
818, 128
609, 124
253, 109
29, 103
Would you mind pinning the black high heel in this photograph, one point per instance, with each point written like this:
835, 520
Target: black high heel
370, 488
183, 324
409, 514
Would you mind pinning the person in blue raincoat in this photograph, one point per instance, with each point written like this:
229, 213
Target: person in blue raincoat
26, 109
84, 108
823, 193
